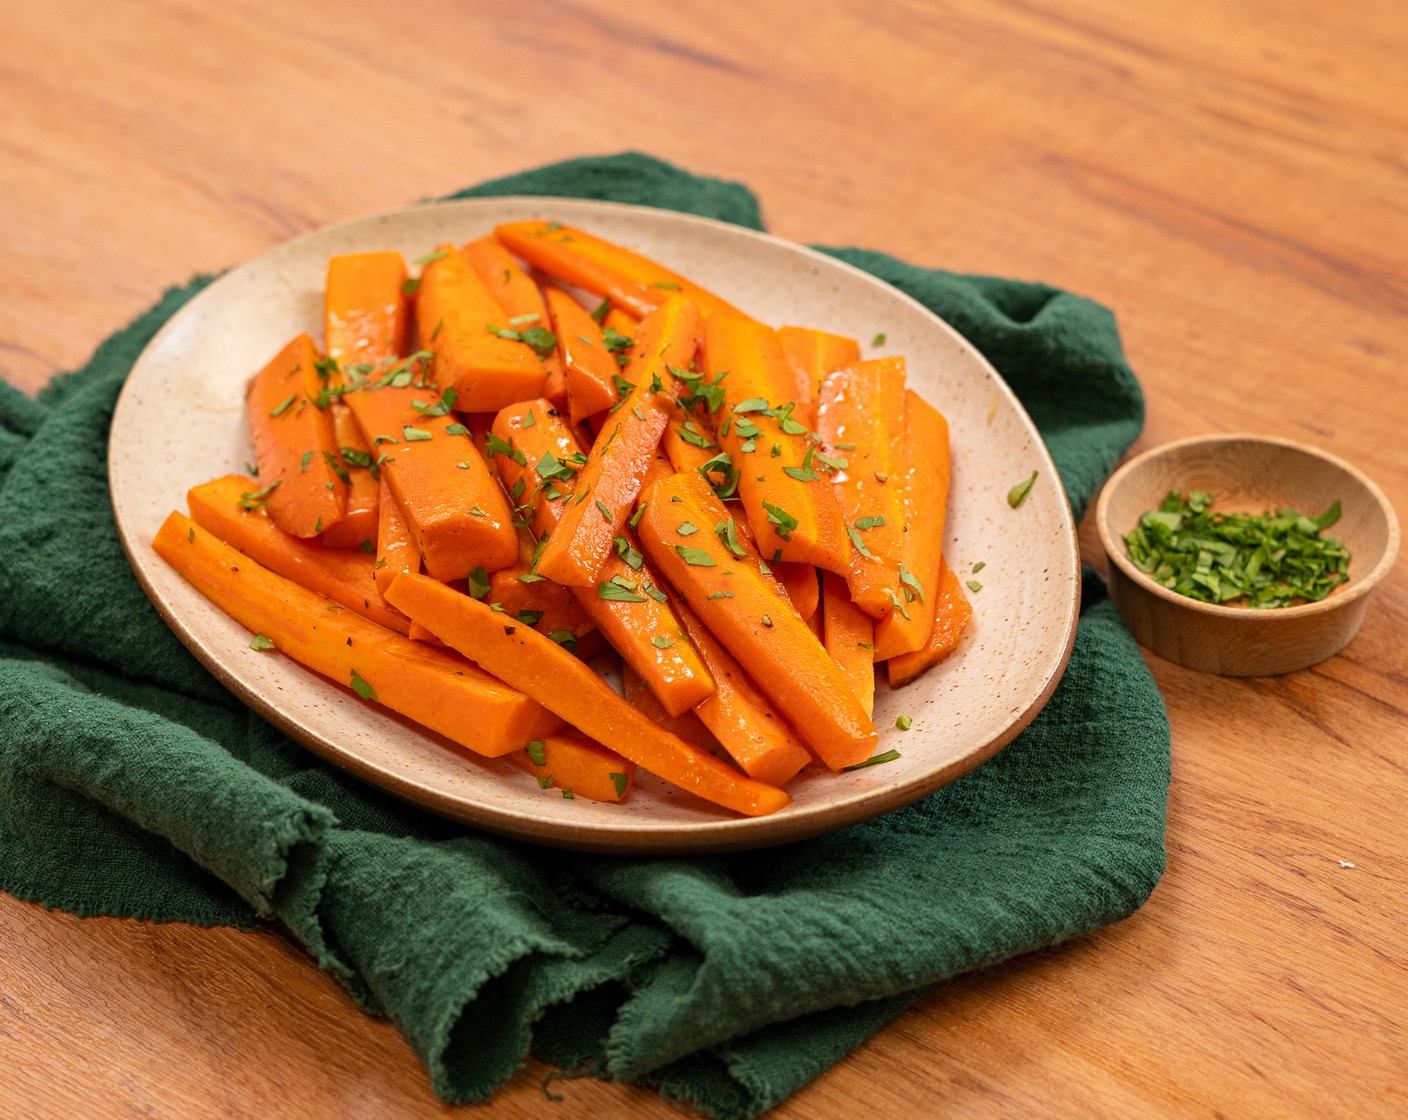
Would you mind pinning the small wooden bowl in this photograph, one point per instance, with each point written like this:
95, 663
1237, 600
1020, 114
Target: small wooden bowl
1250, 474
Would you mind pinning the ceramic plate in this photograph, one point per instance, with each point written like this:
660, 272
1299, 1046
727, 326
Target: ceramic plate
180, 422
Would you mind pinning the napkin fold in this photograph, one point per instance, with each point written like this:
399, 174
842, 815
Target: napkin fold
133, 784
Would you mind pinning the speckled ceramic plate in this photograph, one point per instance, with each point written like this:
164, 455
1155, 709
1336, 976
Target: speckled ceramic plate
180, 422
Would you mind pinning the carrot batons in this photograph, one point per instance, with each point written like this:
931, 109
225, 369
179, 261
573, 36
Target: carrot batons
813, 355
952, 614
396, 550
526, 660
848, 633
359, 524
478, 352
862, 408
456, 513
522, 302
686, 725
926, 473
570, 762
606, 487
366, 312
604, 268
589, 365
802, 587
223, 507
791, 504
434, 687
551, 606
752, 617
626, 603
295, 443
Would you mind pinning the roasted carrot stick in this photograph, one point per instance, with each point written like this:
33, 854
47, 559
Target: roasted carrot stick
538, 602
295, 442
571, 765
802, 587
951, 618
785, 489
606, 487
589, 365
355, 457
751, 616
396, 550
478, 352
753, 732
344, 575
926, 472
366, 312
628, 279
536, 463
860, 414
813, 355
686, 725
456, 513
526, 660
522, 303
436, 688
621, 321
849, 634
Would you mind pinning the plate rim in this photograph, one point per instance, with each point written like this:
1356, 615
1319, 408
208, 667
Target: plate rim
710, 836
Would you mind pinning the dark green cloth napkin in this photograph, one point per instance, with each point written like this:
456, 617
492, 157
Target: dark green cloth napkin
131, 783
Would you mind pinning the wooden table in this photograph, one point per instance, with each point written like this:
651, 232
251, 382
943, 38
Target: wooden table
1231, 179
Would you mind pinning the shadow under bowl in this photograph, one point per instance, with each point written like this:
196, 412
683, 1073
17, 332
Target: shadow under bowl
1250, 474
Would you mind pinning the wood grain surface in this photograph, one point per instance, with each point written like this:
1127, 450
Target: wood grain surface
1231, 179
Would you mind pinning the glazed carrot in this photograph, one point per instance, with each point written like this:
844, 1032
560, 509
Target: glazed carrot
536, 463
546, 606
478, 352
520, 298
526, 660
366, 312
396, 550
604, 268
436, 688
787, 494
752, 618
295, 443
755, 735
606, 487
571, 765
344, 576
802, 587
686, 725
951, 618
813, 355
589, 365
849, 634
355, 457
455, 512
861, 416
926, 472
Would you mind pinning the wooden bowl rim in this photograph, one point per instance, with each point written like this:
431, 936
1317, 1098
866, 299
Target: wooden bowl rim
1357, 589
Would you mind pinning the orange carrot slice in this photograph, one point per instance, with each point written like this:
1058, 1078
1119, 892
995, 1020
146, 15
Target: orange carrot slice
605, 489
590, 368
926, 473
753, 732
536, 462
436, 688
849, 634
295, 442
355, 457
802, 587
478, 352
571, 765
861, 415
686, 725
526, 660
684, 531
952, 615
456, 513
522, 302
366, 312
604, 268
537, 602
344, 576
813, 355
790, 501
396, 550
